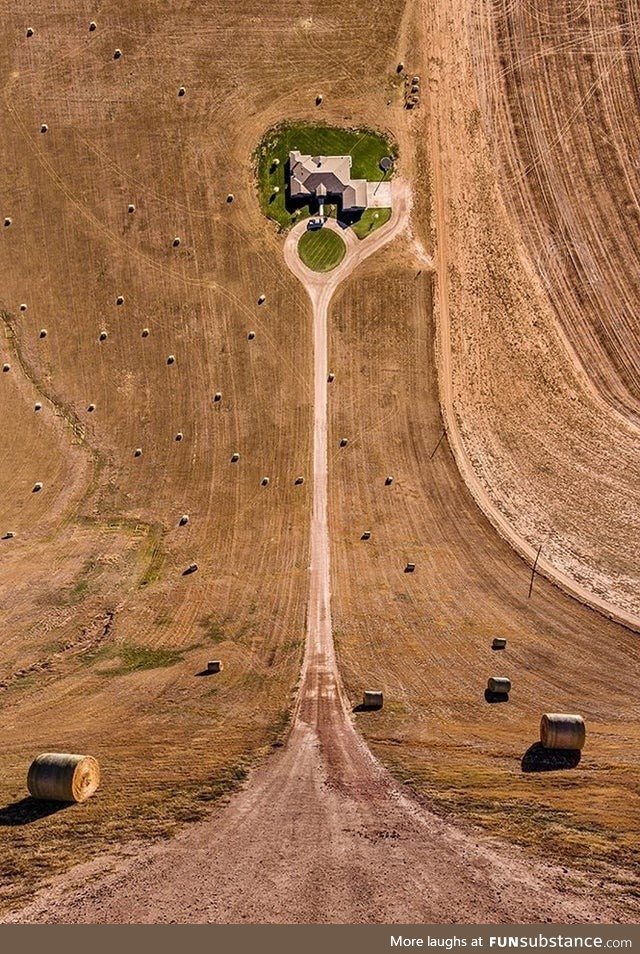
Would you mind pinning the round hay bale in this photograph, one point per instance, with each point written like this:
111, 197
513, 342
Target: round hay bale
137, 452
214, 665
181, 91
262, 298
93, 26
499, 643
117, 54
179, 436
372, 699
331, 377
499, 684
37, 406
276, 190
6, 367
366, 535
388, 481
409, 568
235, 458
299, 480
120, 300
91, 408
131, 208
400, 67
264, 482
103, 336
192, 568
176, 242
43, 332
251, 335
9, 535
44, 128
319, 99
171, 359
560, 730
184, 520
145, 332
343, 442
37, 487
29, 31
217, 397
59, 777
230, 197
23, 307
7, 222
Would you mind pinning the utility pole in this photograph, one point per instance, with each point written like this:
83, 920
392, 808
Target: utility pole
440, 440
533, 571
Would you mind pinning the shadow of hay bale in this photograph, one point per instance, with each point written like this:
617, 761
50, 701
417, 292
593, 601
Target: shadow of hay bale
29, 810
539, 759
493, 697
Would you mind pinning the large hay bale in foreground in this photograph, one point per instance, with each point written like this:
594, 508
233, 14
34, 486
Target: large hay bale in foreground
559, 730
60, 777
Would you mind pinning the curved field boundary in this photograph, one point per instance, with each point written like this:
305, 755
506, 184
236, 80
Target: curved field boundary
441, 308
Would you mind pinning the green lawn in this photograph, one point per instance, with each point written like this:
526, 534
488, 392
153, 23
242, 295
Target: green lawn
321, 250
365, 146
369, 221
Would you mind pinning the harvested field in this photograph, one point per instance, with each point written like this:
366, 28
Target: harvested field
102, 635
430, 650
558, 89
106, 638
544, 454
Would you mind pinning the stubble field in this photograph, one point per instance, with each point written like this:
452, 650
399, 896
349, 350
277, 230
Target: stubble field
102, 634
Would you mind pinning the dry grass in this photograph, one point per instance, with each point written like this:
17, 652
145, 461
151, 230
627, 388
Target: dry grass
425, 638
96, 564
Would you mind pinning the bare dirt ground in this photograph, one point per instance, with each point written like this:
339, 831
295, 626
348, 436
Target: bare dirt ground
95, 569
334, 838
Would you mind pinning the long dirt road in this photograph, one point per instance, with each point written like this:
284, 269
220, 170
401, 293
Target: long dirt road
321, 833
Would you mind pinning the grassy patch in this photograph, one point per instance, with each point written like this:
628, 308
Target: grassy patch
365, 146
131, 658
214, 631
155, 560
321, 250
541, 816
370, 220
